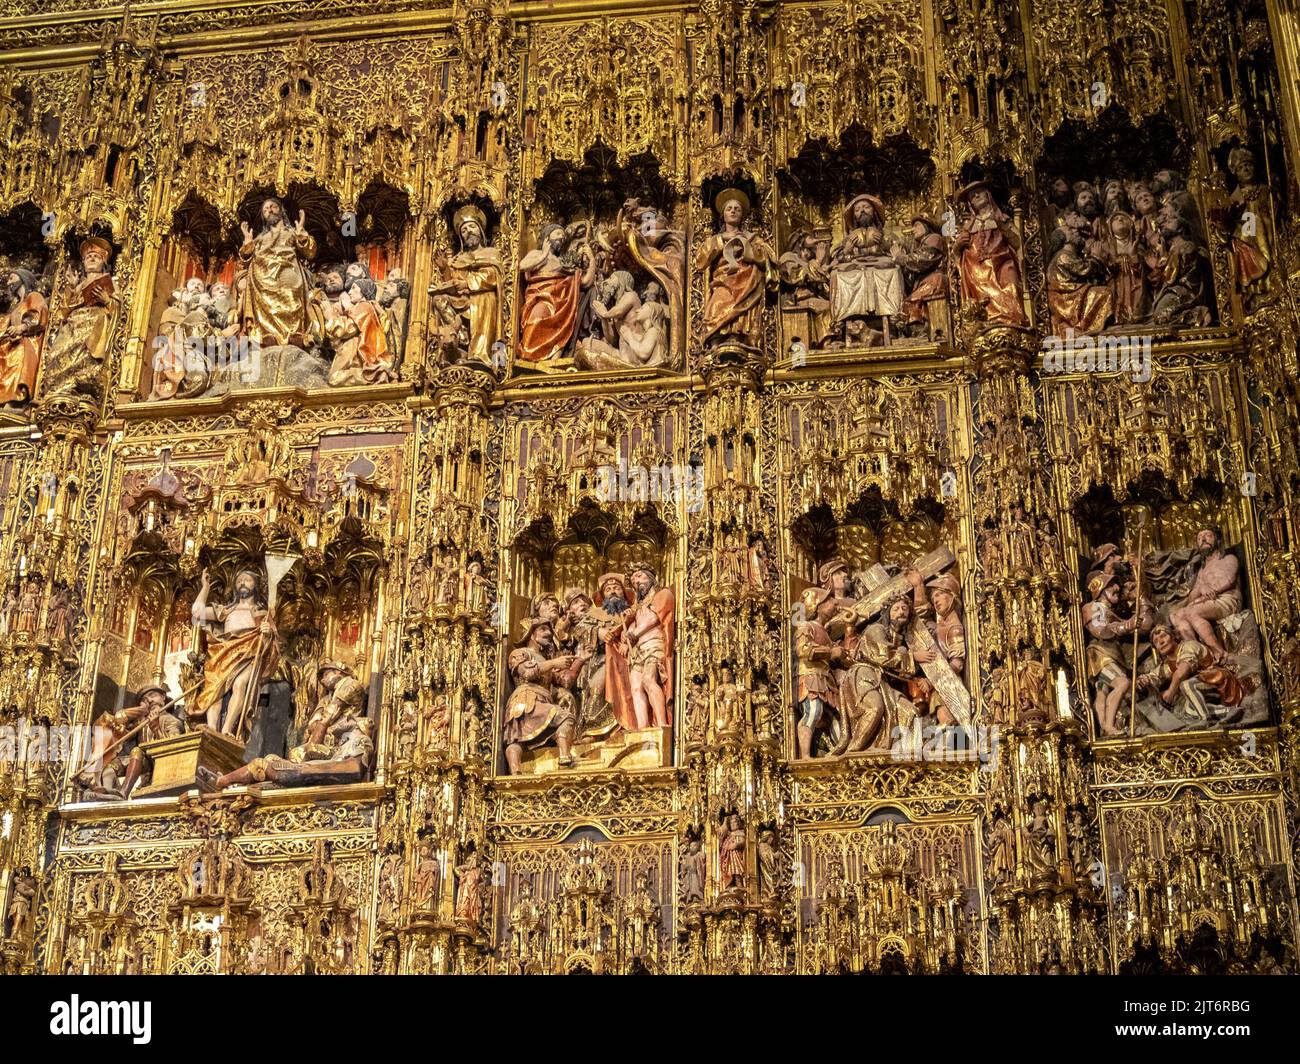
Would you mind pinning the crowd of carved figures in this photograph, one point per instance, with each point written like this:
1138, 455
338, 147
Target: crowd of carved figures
1135, 253
880, 656
590, 665
885, 280
64, 352
536, 493
1171, 644
1120, 253
607, 297
245, 694
330, 324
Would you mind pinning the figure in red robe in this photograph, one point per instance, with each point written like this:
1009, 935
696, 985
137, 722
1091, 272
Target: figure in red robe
552, 296
646, 641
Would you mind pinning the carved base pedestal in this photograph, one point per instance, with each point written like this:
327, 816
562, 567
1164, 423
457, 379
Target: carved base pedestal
16, 958
646, 748
176, 761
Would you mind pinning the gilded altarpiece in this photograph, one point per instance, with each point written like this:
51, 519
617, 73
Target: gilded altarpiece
735, 488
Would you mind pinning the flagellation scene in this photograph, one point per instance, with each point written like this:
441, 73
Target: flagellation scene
716, 487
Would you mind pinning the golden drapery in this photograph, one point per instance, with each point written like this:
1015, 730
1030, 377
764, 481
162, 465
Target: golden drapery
273, 285
481, 272
363, 357
734, 292
666, 263
991, 275
1079, 305
20, 356
227, 659
78, 344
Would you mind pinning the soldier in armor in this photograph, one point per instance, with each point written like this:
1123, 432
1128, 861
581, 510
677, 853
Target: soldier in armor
341, 694
159, 724
102, 776
817, 690
1106, 664
541, 709
1187, 678
940, 611
346, 760
585, 627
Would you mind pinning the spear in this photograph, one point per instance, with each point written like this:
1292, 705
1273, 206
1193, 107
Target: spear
1137, 626
103, 754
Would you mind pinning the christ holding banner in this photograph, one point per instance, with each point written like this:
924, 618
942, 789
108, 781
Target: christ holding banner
241, 659
273, 279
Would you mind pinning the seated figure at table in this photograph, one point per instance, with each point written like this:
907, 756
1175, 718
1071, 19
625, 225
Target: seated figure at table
866, 281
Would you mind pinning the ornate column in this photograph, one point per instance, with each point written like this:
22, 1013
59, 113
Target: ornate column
433, 870
735, 837
51, 525
434, 873
1254, 118
735, 805
1272, 460
1284, 21
46, 550
1039, 829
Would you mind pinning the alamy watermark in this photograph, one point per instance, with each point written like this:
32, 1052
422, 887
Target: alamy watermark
663, 483
1098, 354
133, 1019
946, 742
231, 357
36, 743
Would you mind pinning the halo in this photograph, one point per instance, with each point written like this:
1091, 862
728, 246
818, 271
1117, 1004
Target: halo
720, 200
96, 243
466, 212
